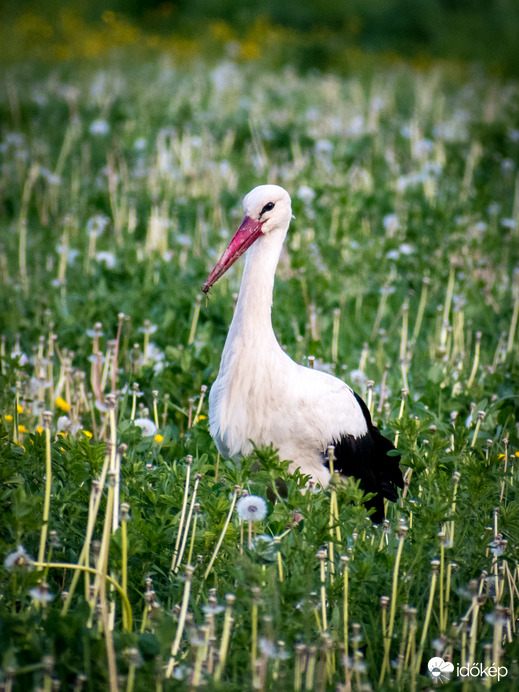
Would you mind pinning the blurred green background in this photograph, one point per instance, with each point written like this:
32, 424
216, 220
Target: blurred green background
315, 34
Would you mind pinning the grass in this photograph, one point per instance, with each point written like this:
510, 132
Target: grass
119, 187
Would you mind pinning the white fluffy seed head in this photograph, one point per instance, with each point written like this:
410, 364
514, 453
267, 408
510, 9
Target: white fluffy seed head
251, 508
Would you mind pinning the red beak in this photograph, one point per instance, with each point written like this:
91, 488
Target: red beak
247, 233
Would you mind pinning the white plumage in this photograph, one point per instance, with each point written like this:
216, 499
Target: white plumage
261, 395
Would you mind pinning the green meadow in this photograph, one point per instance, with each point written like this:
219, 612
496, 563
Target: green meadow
126, 563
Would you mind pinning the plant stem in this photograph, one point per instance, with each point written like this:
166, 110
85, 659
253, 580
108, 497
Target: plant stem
394, 591
127, 610
421, 647
47, 417
189, 462
198, 476
421, 307
226, 634
181, 621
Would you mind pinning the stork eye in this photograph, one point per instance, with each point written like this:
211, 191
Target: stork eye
268, 207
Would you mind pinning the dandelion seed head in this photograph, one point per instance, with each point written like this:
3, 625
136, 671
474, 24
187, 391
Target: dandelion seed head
251, 508
96, 225
19, 559
406, 249
422, 147
270, 650
391, 223
306, 194
99, 128
41, 593
147, 426
358, 378
323, 147
106, 258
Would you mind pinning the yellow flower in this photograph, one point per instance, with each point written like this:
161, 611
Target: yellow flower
62, 404
202, 417
87, 433
62, 434
19, 408
515, 455
8, 418
159, 438
39, 429
249, 50
22, 429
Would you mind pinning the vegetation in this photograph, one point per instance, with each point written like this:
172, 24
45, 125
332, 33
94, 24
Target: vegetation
325, 35
128, 561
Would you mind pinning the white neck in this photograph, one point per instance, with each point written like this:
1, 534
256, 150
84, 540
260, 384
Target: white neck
251, 327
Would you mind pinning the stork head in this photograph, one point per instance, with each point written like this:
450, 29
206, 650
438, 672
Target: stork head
267, 209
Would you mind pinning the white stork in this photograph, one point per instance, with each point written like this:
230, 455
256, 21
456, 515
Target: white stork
262, 396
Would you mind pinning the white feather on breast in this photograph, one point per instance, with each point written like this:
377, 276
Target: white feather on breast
276, 402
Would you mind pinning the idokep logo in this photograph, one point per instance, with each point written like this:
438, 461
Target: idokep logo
440, 669
477, 670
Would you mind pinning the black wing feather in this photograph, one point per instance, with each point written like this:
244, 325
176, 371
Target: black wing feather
365, 458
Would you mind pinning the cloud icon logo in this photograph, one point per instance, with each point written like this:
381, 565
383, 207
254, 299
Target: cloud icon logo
440, 669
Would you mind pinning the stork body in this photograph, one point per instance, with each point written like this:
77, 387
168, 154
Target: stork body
262, 396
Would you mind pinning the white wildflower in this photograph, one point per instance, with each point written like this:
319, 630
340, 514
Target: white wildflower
63, 423
18, 559
251, 508
17, 354
306, 194
106, 258
357, 126
406, 249
148, 328
96, 225
507, 166
391, 223
99, 127
358, 378
323, 147
422, 147
147, 426
155, 356
270, 650
41, 593
70, 254
225, 77
430, 169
